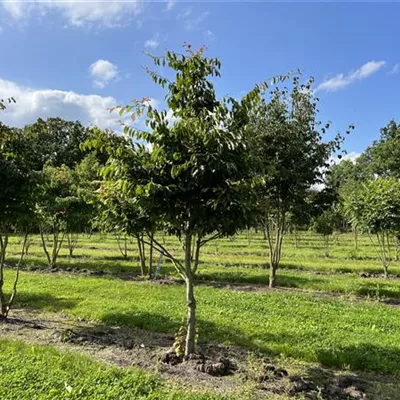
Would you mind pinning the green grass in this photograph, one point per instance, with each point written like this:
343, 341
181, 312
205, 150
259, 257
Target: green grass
357, 335
38, 372
100, 252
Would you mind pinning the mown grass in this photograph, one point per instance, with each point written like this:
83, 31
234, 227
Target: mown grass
239, 260
39, 372
356, 335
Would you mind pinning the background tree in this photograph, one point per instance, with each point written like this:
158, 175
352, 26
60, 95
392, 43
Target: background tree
55, 142
375, 209
16, 203
383, 157
325, 225
288, 141
60, 209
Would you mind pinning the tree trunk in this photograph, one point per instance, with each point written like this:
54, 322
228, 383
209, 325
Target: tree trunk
141, 255
356, 238
275, 247
14, 291
151, 256
3, 247
272, 275
190, 299
45, 247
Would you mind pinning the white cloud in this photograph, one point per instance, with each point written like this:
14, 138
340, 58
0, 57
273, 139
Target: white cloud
192, 23
153, 43
209, 34
340, 81
352, 156
395, 69
170, 5
111, 13
103, 72
34, 103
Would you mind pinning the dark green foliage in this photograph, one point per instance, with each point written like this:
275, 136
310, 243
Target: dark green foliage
55, 142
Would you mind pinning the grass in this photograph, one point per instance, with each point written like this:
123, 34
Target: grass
356, 335
334, 317
39, 372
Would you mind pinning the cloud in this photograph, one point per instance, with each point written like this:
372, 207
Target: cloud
34, 103
170, 5
103, 72
153, 43
340, 81
113, 13
395, 69
209, 34
352, 156
192, 22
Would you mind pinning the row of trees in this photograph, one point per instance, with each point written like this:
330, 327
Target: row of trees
222, 165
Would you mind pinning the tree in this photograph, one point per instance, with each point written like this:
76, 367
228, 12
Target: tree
55, 142
16, 203
288, 141
375, 209
195, 181
383, 157
60, 209
325, 225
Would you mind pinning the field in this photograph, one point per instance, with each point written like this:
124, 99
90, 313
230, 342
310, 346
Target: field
330, 318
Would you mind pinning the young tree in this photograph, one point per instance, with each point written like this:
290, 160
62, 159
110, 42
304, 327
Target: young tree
288, 141
60, 210
195, 182
325, 225
375, 209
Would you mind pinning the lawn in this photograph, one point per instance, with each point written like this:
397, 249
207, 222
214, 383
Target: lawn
322, 313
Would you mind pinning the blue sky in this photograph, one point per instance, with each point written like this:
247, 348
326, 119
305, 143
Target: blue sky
76, 59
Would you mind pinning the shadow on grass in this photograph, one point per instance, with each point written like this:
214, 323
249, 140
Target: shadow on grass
209, 332
364, 356
43, 301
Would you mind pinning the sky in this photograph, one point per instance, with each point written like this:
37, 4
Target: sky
76, 59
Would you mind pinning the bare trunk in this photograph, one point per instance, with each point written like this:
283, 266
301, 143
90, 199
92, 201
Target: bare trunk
151, 250
355, 238
272, 275
141, 255
3, 247
57, 243
14, 292
275, 247
190, 300
45, 247
123, 248
72, 242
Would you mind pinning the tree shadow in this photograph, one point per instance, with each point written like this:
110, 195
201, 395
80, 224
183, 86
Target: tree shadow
209, 332
362, 357
47, 301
